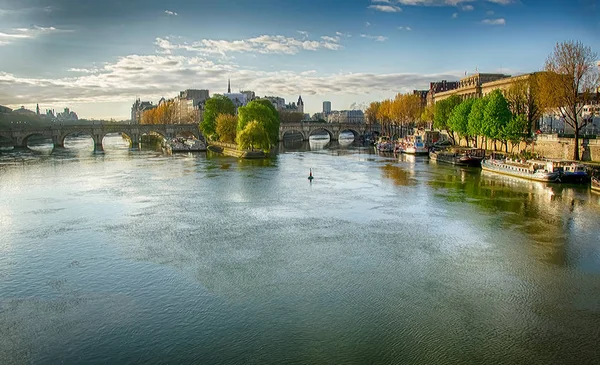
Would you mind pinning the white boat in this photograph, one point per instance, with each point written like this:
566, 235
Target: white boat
414, 145
384, 144
571, 172
537, 170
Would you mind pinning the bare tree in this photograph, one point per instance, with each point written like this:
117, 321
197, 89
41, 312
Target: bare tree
569, 83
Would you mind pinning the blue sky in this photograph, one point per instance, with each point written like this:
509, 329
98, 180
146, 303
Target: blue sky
97, 56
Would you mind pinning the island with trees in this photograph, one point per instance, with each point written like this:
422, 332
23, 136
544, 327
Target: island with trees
252, 133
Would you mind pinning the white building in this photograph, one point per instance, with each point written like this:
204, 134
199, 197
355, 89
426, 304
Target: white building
346, 116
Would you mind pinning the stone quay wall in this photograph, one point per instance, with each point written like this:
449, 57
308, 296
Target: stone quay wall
550, 146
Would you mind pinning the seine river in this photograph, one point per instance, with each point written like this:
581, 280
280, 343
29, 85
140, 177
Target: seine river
141, 257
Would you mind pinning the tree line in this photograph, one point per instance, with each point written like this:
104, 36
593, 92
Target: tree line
570, 80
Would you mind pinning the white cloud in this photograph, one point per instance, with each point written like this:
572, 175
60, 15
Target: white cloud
408, 29
499, 21
468, 8
376, 38
454, 15
84, 70
304, 33
432, 2
367, 24
489, 12
340, 34
501, 2
264, 44
386, 8
27, 33
169, 12
154, 76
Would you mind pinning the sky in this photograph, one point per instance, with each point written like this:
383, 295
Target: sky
97, 56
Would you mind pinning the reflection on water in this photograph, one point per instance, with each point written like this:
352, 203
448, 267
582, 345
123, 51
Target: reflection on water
142, 257
398, 175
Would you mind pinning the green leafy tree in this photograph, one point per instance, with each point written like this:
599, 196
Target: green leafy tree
496, 116
459, 119
226, 127
218, 104
513, 131
253, 136
475, 123
442, 112
267, 117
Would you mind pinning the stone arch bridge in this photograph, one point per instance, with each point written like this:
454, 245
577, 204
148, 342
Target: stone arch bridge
58, 133
306, 129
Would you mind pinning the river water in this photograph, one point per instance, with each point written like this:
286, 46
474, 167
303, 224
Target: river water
140, 257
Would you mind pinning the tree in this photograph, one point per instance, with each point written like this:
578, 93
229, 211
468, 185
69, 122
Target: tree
443, 108
495, 116
569, 82
371, 112
428, 114
475, 122
226, 126
406, 109
523, 98
253, 136
291, 117
265, 115
218, 104
513, 130
384, 116
459, 119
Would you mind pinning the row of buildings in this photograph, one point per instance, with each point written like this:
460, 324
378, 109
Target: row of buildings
190, 104
481, 84
65, 115
339, 116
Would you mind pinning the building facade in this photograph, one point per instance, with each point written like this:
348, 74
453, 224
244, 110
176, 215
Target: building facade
470, 87
326, 107
346, 116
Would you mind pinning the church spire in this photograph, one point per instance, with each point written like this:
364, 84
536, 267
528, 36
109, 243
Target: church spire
228, 86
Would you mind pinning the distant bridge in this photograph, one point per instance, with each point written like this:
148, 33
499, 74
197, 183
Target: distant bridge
306, 129
20, 134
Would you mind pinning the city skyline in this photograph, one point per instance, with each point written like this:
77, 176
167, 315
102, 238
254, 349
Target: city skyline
98, 57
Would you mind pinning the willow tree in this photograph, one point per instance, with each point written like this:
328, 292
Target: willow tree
568, 84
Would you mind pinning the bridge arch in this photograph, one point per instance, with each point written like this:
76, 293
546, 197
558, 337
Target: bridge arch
293, 131
313, 131
60, 141
23, 141
355, 133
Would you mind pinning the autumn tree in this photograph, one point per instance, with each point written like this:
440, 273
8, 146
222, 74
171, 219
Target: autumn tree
226, 126
523, 98
406, 110
218, 104
371, 112
568, 84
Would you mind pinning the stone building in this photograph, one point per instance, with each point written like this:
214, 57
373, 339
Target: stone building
471, 86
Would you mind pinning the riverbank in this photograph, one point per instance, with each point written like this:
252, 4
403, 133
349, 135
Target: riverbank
230, 149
